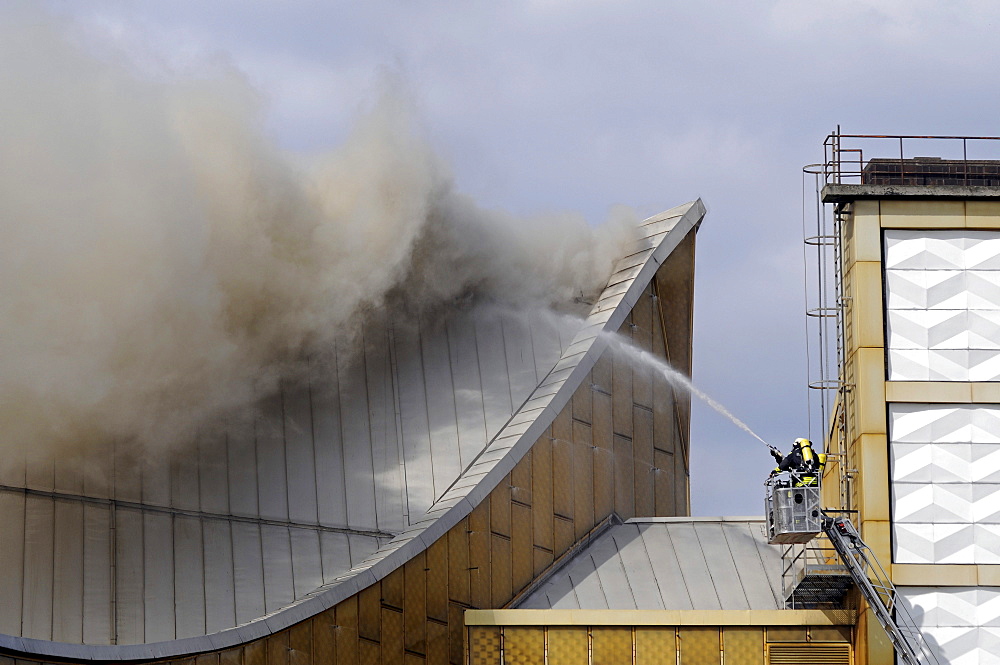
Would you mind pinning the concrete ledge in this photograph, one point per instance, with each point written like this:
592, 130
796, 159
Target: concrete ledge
660, 617
945, 574
848, 193
928, 392
919, 574
942, 392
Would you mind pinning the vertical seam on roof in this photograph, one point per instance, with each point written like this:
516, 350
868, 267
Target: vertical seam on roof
288, 503
204, 574
454, 401
729, 547
404, 497
482, 395
315, 473
779, 602
368, 419
708, 568
427, 413
645, 548
506, 364
232, 550
621, 563
776, 592
534, 355
680, 568
600, 583
340, 431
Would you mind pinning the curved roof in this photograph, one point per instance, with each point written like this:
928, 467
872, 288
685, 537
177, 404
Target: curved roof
335, 486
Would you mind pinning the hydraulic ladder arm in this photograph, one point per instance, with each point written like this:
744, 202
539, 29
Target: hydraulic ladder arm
879, 592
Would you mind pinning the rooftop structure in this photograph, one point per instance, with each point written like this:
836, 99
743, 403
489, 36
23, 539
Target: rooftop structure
435, 468
668, 563
913, 304
663, 590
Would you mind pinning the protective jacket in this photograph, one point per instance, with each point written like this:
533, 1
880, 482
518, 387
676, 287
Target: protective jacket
804, 465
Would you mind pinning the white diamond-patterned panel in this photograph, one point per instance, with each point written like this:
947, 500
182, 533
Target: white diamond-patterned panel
926, 289
944, 329
954, 249
944, 423
916, 249
942, 305
945, 473
960, 624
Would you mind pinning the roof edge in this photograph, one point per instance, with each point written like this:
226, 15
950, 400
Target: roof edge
842, 193
661, 617
653, 520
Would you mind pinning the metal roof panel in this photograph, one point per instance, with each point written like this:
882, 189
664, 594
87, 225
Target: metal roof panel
675, 564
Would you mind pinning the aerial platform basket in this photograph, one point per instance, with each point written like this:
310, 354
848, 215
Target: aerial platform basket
793, 513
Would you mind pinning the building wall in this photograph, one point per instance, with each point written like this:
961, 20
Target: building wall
922, 290
560, 637
619, 446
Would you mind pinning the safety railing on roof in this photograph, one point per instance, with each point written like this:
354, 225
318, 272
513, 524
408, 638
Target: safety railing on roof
898, 159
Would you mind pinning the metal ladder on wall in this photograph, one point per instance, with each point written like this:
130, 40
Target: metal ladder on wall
879, 592
826, 320
830, 312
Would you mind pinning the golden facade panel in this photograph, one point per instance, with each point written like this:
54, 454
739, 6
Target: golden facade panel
565, 535
521, 548
523, 646
655, 645
542, 493
743, 646
484, 645
567, 645
788, 634
391, 638
562, 482
624, 471
830, 634
583, 479
611, 645
621, 391
700, 645
459, 581
437, 580
414, 603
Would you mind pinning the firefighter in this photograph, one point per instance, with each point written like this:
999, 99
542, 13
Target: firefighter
802, 463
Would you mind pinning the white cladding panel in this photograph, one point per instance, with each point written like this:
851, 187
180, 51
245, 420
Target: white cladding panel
945, 469
942, 305
961, 624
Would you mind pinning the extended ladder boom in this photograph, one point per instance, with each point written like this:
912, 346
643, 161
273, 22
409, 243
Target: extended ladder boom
880, 592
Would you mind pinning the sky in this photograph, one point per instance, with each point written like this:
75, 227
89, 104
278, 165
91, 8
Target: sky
544, 106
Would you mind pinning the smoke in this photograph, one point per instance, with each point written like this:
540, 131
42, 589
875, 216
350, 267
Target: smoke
162, 262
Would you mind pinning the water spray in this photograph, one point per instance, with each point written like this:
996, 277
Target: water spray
677, 379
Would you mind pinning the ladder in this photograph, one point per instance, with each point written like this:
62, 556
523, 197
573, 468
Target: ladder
909, 643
